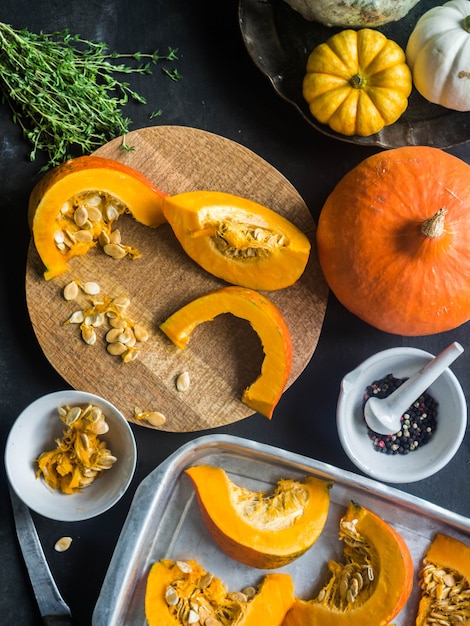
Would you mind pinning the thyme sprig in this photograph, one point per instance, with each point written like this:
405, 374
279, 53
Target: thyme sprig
63, 92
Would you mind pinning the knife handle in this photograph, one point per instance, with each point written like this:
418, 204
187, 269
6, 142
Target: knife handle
57, 620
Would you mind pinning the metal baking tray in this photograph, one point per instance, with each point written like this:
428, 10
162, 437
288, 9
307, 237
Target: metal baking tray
164, 522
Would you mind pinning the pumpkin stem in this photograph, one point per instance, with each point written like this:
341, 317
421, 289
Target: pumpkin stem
434, 226
466, 23
357, 81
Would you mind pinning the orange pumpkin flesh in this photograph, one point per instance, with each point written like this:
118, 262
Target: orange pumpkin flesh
373, 584
374, 254
265, 318
169, 589
263, 530
445, 582
74, 179
238, 240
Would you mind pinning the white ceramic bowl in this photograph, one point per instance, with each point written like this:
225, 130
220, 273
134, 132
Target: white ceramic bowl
35, 431
426, 460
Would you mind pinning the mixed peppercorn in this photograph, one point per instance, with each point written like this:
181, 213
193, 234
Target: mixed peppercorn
418, 423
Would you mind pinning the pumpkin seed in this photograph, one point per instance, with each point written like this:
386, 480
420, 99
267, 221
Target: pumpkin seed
184, 566
182, 382
171, 596
71, 291
80, 216
83, 236
115, 251
59, 237
115, 236
90, 288
117, 322
112, 213
104, 239
63, 544
130, 355
141, 334
116, 349
89, 335
94, 213
113, 335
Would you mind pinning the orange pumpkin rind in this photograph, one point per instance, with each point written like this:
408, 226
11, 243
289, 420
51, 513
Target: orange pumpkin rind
79, 176
374, 254
237, 239
267, 321
371, 586
260, 529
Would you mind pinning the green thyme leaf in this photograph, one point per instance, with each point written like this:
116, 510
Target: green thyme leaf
63, 92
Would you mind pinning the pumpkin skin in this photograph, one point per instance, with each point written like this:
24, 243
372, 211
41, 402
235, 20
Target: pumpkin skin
267, 321
381, 599
445, 556
357, 82
438, 53
267, 540
76, 176
217, 230
374, 253
356, 13
274, 596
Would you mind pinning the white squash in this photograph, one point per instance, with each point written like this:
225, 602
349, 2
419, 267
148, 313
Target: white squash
354, 13
438, 53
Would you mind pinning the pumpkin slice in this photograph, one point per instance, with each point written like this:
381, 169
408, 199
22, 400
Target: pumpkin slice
371, 586
238, 240
266, 320
76, 204
182, 592
445, 582
264, 530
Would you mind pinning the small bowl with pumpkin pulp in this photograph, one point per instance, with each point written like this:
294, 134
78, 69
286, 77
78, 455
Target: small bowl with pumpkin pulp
70, 455
431, 430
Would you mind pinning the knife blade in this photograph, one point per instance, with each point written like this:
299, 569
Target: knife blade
54, 611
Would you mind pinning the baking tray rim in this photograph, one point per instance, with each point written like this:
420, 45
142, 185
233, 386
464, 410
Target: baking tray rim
156, 487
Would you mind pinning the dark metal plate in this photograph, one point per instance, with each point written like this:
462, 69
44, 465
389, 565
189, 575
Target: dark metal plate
279, 40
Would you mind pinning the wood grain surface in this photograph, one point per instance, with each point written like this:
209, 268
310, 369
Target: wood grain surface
223, 356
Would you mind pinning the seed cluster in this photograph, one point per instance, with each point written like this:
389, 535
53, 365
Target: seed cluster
449, 595
353, 581
243, 241
124, 337
199, 598
87, 219
418, 423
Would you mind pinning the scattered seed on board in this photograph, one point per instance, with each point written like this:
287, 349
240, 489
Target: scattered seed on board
183, 381
63, 544
154, 418
71, 291
124, 336
90, 288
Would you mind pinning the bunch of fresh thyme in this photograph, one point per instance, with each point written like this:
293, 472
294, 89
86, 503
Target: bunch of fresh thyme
63, 92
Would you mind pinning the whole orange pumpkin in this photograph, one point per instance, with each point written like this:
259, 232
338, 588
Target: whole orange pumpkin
394, 241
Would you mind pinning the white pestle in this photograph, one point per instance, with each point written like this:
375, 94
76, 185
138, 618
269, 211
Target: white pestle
383, 415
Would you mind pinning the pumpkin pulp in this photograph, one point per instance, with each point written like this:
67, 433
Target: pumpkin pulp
376, 257
261, 529
238, 240
371, 586
267, 321
78, 201
175, 589
445, 582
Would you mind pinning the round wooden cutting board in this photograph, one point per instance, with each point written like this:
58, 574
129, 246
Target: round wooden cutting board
223, 356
